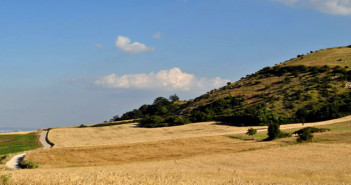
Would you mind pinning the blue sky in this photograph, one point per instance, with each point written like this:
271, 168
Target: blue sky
80, 62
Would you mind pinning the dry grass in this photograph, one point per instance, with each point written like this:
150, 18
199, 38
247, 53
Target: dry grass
194, 159
295, 164
129, 133
146, 151
331, 56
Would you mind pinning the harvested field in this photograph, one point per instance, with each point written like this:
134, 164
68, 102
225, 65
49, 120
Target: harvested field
130, 133
146, 151
295, 164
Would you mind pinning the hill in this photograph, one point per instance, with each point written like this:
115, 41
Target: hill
310, 87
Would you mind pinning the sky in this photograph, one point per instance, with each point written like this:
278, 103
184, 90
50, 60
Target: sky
80, 62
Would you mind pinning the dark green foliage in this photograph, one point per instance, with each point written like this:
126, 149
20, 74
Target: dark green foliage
153, 121
287, 80
273, 131
312, 130
134, 114
157, 121
280, 71
113, 123
200, 116
28, 165
335, 107
305, 134
301, 115
173, 98
82, 126
176, 120
251, 132
255, 115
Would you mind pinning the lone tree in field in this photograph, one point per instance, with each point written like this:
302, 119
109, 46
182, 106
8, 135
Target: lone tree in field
251, 132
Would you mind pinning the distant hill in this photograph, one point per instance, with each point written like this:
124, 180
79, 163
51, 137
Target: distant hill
310, 87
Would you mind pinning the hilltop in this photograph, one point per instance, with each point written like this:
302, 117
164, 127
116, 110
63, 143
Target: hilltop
310, 87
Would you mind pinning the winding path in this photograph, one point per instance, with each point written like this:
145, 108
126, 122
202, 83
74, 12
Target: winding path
14, 162
43, 139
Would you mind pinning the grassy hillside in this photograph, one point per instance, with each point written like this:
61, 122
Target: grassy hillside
311, 87
340, 56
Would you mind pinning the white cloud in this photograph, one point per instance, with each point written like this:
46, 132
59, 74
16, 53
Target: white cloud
173, 79
157, 35
125, 45
335, 7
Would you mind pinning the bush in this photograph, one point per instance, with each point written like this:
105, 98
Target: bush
176, 120
305, 134
153, 121
28, 165
251, 132
82, 126
273, 131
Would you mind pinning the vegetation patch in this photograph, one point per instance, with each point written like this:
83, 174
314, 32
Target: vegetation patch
28, 165
18, 143
309, 88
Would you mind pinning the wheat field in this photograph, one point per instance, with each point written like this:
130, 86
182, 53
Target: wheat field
295, 164
130, 133
191, 154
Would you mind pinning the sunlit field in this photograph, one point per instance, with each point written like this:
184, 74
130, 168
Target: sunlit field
197, 159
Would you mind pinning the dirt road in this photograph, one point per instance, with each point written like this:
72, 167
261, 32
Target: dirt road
43, 140
15, 161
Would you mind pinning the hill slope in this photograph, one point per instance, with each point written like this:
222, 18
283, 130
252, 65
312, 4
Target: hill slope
311, 87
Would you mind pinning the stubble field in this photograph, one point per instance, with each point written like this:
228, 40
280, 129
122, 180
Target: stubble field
193, 158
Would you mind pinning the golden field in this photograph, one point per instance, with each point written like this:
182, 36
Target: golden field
199, 153
294, 164
130, 133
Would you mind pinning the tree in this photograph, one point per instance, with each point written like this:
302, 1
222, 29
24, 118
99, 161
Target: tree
173, 98
305, 135
251, 132
301, 115
161, 101
273, 131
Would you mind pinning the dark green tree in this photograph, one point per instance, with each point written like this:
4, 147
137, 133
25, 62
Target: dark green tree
173, 98
251, 132
273, 130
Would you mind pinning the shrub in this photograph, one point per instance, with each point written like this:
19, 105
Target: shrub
82, 126
273, 131
176, 120
153, 121
28, 165
251, 132
305, 134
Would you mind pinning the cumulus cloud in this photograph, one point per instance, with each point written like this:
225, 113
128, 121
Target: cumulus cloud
173, 79
126, 46
336, 7
157, 35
